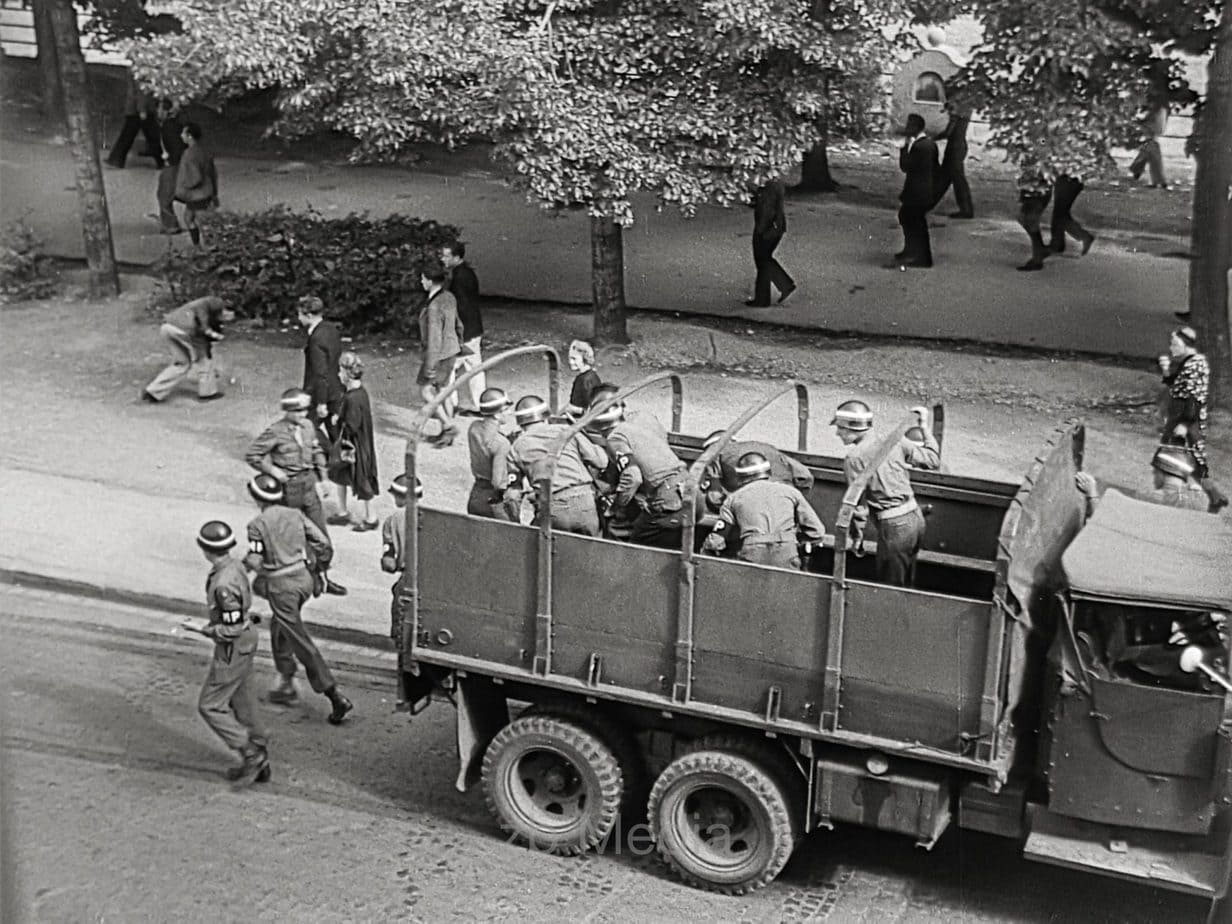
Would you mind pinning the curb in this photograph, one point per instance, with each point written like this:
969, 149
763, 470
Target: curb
173, 605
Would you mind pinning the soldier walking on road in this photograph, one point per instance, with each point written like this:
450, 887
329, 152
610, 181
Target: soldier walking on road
573, 502
227, 702
888, 494
288, 553
289, 451
393, 542
489, 452
768, 520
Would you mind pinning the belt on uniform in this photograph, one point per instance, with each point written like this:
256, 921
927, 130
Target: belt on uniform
901, 510
284, 569
770, 540
291, 476
570, 489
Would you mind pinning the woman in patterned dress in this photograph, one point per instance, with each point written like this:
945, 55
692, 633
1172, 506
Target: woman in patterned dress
1188, 377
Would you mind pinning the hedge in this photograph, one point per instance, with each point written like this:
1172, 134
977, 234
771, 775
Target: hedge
365, 270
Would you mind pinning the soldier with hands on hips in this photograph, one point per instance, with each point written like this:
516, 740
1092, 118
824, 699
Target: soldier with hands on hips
290, 452
888, 495
288, 552
228, 703
769, 520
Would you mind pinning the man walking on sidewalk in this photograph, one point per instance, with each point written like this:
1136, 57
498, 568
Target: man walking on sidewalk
918, 160
289, 452
170, 130
190, 331
464, 285
227, 702
1067, 189
289, 553
769, 226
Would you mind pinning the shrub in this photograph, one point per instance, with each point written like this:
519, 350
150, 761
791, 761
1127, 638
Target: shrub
365, 270
24, 268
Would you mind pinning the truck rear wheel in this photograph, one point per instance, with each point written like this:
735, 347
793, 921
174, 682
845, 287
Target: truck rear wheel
553, 784
722, 820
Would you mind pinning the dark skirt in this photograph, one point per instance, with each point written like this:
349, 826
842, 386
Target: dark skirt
355, 423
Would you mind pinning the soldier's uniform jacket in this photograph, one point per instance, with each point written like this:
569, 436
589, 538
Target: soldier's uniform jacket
281, 540
783, 468
889, 489
393, 532
530, 453
645, 465
768, 511
489, 451
290, 445
229, 597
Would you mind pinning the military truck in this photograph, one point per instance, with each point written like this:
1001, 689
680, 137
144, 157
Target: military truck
739, 707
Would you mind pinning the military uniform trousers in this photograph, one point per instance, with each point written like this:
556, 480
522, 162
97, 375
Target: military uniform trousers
301, 494
574, 510
228, 701
779, 553
661, 522
486, 501
898, 544
289, 640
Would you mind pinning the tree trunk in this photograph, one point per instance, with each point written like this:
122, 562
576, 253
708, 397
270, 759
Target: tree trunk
1212, 220
815, 171
607, 280
49, 68
91, 196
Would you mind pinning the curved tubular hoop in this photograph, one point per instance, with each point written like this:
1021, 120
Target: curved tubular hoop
408, 586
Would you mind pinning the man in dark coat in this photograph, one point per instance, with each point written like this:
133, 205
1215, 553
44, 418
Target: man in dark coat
953, 166
464, 285
321, 353
1067, 189
918, 160
138, 119
170, 129
769, 226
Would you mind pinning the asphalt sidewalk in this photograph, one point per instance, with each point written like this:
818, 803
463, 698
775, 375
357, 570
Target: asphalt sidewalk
150, 559
1117, 300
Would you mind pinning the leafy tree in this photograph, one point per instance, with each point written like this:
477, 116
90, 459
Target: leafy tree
589, 101
1068, 80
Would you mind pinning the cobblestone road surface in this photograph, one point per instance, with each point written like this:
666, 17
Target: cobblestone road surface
115, 811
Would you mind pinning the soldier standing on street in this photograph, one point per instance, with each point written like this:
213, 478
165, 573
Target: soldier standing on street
888, 493
288, 551
290, 451
573, 489
649, 493
227, 702
768, 519
393, 542
489, 452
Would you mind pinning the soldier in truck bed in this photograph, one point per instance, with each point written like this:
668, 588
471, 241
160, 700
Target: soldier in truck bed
888, 495
648, 496
783, 468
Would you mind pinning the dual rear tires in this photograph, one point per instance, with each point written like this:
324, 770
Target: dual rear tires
723, 815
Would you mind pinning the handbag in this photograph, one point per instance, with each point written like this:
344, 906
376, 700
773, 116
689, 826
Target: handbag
342, 456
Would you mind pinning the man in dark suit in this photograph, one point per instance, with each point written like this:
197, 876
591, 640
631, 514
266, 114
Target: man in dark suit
321, 353
953, 166
918, 160
464, 285
769, 226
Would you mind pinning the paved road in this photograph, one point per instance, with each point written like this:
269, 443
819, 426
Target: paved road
115, 810
1116, 300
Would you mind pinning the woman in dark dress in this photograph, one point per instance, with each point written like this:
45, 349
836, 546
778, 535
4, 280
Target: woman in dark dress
353, 424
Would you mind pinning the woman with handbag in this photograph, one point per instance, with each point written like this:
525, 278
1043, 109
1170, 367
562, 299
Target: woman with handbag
352, 458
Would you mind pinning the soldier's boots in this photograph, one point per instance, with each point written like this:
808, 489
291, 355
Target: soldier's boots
285, 693
342, 706
254, 768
